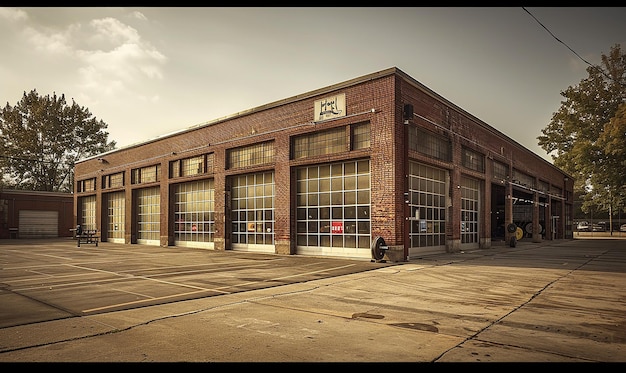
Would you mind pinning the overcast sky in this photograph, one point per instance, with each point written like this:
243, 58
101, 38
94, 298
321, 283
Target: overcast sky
150, 71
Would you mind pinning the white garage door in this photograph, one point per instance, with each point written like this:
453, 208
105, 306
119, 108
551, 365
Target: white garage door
39, 224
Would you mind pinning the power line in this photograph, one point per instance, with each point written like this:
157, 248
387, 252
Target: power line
557, 39
568, 47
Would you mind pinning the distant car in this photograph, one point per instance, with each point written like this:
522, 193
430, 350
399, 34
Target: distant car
622, 228
583, 226
598, 228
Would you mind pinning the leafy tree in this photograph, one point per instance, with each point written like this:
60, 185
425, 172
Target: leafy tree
41, 138
584, 135
613, 141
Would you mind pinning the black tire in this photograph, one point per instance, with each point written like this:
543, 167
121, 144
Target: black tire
511, 228
377, 252
529, 228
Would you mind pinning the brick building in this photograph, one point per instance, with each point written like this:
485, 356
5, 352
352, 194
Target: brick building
35, 214
376, 162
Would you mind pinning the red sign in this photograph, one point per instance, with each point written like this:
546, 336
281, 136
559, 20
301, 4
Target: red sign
337, 227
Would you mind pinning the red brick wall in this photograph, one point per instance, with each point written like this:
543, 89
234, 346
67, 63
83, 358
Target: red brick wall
12, 202
385, 93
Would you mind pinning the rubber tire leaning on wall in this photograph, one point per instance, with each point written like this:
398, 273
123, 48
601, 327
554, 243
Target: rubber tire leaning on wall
529, 228
377, 253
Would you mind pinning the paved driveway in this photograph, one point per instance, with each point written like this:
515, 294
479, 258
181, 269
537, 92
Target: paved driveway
44, 280
555, 301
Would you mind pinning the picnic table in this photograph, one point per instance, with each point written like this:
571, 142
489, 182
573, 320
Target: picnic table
89, 236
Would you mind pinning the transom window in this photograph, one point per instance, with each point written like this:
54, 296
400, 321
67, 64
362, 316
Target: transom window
427, 143
360, 136
113, 181
252, 155
473, 160
86, 185
500, 170
522, 178
146, 174
192, 166
320, 143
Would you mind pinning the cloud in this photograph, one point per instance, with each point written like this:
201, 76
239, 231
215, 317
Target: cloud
128, 63
113, 31
123, 56
13, 15
138, 15
111, 57
52, 42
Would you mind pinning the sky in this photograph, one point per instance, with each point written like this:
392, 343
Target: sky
150, 71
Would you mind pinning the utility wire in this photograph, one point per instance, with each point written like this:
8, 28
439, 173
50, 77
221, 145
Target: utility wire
568, 47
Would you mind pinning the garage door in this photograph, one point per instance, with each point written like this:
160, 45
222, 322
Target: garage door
38, 224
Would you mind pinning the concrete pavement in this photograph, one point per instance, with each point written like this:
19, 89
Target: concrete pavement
554, 301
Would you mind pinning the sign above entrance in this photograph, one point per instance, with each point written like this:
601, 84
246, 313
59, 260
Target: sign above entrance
330, 107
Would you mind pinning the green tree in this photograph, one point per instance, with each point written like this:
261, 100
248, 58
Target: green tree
584, 137
41, 138
613, 141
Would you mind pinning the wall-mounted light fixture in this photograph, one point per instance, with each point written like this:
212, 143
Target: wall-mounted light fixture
407, 113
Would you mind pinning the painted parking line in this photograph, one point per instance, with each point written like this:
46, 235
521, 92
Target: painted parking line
201, 290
